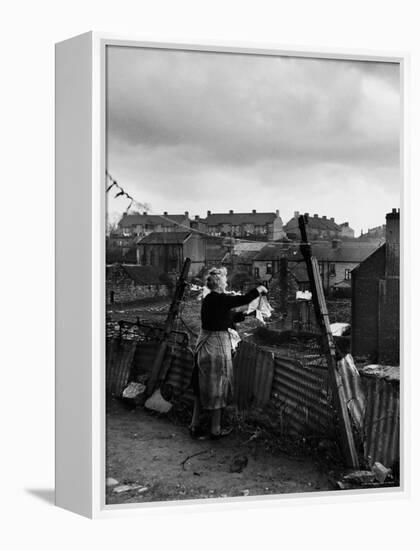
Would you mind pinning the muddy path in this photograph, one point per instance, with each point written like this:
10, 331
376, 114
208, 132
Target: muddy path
158, 456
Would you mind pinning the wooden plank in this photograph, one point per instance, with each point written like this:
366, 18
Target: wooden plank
155, 373
321, 311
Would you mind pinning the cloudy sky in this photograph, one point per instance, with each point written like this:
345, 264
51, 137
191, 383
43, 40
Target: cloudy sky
203, 131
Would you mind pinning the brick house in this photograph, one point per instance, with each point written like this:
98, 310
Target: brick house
263, 225
128, 283
266, 262
167, 251
336, 261
318, 228
144, 224
375, 299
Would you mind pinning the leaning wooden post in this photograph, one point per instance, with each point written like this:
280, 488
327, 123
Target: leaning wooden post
321, 312
169, 324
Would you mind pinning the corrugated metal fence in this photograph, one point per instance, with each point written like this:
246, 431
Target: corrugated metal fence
298, 393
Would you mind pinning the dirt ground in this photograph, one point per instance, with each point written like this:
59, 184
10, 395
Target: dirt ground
157, 455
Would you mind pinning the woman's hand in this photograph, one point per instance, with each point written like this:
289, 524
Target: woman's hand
262, 289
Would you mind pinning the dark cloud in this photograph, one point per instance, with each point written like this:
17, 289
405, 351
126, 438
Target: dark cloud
178, 118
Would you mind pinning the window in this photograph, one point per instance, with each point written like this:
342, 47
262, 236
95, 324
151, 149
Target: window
332, 270
269, 269
347, 274
256, 272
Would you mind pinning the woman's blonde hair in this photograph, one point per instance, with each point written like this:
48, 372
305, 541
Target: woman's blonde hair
216, 278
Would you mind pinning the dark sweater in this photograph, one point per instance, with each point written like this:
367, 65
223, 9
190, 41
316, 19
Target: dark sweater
216, 311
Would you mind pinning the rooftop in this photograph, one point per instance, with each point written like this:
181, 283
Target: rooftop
345, 251
314, 222
257, 218
160, 237
166, 220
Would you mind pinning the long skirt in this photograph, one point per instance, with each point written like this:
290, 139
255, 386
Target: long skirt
213, 369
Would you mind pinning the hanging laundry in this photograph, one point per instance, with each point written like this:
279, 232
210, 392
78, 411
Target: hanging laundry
261, 307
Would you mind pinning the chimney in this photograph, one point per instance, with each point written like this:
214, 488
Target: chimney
315, 215
196, 217
392, 244
208, 212
277, 213
186, 214
296, 214
124, 214
144, 213
332, 219
165, 213
324, 217
254, 211
230, 211
306, 214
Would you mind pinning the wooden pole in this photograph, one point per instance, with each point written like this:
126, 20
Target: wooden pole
169, 324
321, 312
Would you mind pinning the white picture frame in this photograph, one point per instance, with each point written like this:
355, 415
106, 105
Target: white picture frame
80, 272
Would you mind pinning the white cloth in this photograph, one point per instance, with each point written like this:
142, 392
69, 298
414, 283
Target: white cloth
261, 307
234, 338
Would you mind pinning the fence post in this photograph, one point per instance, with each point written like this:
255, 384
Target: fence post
321, 312
169, 324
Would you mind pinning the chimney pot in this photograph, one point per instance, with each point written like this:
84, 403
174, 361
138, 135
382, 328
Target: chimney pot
197, 217
144, 213
165, 213
324, 217
208, 212
315, 215
230, 211
254, 211
277, 213
186, 214
333, 219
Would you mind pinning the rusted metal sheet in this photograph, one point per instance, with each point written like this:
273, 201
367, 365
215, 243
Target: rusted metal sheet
144, 357
300, 395
253, 370
119, 361
382, 421
353, 391
180, 372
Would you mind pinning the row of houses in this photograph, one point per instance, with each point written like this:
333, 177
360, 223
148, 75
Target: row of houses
166, 252
265, 226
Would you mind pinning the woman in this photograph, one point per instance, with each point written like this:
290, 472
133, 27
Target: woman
213, 372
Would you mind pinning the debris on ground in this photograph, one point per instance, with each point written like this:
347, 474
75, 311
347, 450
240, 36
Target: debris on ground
381, 472
111, 482
379, 476
134, 394
126, 488
184, 462
152, 470
238, 464
157, 403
